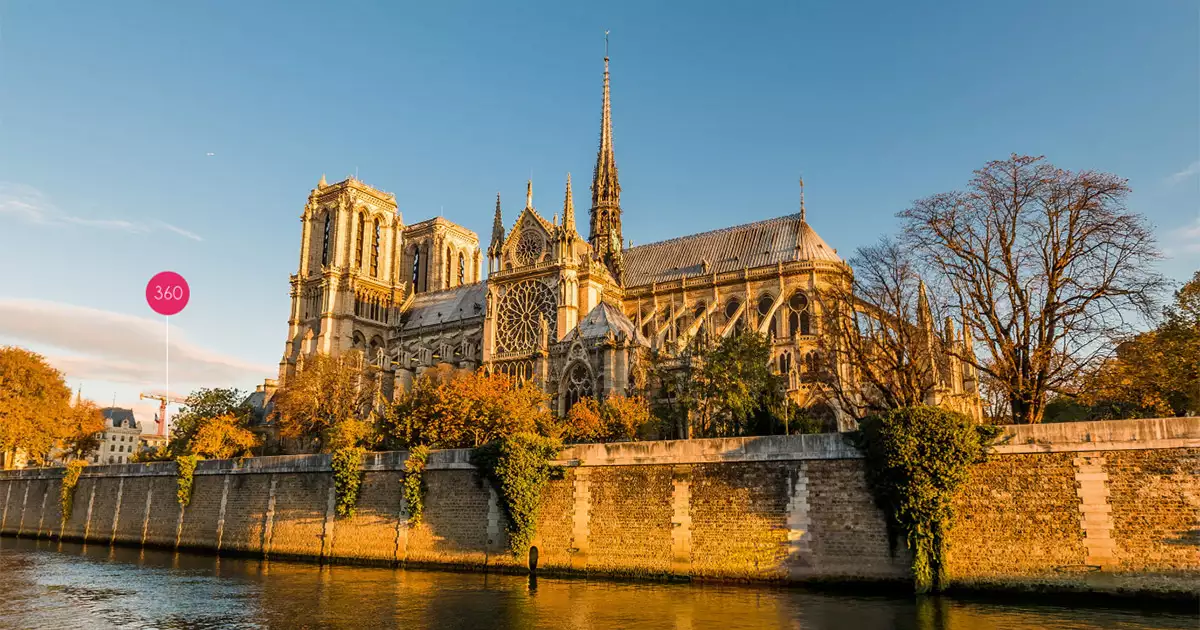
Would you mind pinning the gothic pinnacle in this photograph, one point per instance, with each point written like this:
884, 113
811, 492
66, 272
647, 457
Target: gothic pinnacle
529, 194
569, 210
497, 228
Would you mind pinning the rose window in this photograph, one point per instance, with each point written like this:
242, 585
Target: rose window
519, 316
529, 247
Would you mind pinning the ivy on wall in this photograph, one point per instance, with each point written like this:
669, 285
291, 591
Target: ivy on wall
519, 467
917, 458
185, 470
347, 478
414, 483
66, 493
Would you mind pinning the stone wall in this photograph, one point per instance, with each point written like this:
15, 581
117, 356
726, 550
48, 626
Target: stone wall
1108, 506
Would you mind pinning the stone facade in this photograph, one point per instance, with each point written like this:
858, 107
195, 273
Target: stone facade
783, 508
578, 315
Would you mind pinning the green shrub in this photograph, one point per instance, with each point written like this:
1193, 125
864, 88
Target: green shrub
66, 493
519, 467
917, 458
347, 477
185, 469
414, 483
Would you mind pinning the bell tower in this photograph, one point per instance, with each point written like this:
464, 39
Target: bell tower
346, 291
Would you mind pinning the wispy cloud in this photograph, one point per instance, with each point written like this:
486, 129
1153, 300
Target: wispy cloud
1191, 170
30, 205
1185, 238
93, 344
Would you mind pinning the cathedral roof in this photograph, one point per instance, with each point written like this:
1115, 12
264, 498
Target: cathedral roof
440, 307
760, 244
604, 318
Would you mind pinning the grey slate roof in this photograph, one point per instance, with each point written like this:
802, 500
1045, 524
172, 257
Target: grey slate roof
758, 244
438, 307
118, 417
603, 318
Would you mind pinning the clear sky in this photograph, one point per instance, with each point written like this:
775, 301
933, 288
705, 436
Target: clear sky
142, 136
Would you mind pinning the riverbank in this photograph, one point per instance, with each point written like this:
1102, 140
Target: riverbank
1106, 507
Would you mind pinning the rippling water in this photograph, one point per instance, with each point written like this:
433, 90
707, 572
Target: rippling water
47, 584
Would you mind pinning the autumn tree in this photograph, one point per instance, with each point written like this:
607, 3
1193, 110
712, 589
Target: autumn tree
36, 414
202, 406
880, 323
1044, 266
1154, 373
617, 418
83, 423
450, 408
315, 404
223, 437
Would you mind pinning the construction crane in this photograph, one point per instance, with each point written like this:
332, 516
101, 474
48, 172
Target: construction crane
163, 399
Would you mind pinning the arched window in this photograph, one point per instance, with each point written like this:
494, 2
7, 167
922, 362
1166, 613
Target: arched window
325, 243
375, 249
785, 362
765, 302
462, 269
799, 319
731, 308
578, 384
416, 277
358, 245
812, 364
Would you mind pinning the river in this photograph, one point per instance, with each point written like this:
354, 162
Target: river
46, 584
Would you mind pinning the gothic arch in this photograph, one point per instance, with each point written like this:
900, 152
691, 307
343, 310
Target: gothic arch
577, 383
799, 314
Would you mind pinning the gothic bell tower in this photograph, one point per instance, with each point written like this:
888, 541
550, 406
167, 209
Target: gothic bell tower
346, 291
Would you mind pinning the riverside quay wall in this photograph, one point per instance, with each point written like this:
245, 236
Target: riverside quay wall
1102, 506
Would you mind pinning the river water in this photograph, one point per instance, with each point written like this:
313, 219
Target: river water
46, 584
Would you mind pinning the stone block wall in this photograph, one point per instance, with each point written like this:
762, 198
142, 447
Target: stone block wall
1093, 506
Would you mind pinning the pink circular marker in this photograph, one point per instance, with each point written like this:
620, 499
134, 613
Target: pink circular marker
167, 293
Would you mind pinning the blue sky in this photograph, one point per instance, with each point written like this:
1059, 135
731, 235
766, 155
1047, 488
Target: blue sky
108, 112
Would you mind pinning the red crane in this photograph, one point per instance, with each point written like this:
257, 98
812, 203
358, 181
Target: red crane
163, 399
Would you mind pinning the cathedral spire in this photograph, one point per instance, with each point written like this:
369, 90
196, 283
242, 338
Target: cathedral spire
497, 230
529, 194
802, 210
605, 229
569, 210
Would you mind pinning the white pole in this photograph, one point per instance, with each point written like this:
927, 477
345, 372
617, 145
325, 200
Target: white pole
167, 394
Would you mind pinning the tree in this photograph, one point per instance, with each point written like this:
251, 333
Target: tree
83, 423
223, 437
328, 391
35, 409
1045, 263
1155, 373
730, 383
617, 418
462, 409
201, 406
880, 323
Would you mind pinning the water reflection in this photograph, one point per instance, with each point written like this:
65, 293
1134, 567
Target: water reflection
54, 585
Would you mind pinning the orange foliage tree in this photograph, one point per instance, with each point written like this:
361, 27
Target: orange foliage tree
450, 408
223, 437
314, 404
36, 414
618, 418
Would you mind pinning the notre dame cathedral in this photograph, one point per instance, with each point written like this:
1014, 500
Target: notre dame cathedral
574, 314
